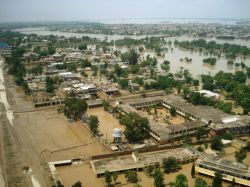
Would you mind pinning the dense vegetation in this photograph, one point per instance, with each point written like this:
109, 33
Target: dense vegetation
74, 107
137, 127
231, 50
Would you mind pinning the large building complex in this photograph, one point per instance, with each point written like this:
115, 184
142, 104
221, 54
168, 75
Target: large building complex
196, 116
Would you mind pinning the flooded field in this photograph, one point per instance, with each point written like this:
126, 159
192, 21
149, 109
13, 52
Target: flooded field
196, 67
84, 173
61, 139
107, 123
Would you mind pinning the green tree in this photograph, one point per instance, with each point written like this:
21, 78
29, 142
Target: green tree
228, 136
131, 176
199, 182
170, 164
217, 180
181, 180
241, 154
233, 183
173, 111
135, 124
193, 171
200, 133
108, 177
74, 107
216, 143
49, 85
158, 178
77, 184
85, 63
82, 46
106, 105
115, 176
93, 123
133, 57
123, 83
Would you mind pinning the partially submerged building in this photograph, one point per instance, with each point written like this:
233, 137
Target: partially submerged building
196, 117
137, 161
208, 165
235, 125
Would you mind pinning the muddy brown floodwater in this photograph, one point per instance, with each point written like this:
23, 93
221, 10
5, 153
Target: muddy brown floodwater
107, 123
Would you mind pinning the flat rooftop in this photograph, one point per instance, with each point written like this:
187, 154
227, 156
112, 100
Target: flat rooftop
227, 166
140, 160
243, 121
163, 130
204, 112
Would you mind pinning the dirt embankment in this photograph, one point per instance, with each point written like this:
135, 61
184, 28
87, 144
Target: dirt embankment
11, 159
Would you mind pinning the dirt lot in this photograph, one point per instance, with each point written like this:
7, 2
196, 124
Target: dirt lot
163, 115
107, 123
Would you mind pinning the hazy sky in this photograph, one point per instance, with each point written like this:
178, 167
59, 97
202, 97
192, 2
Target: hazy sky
78, 10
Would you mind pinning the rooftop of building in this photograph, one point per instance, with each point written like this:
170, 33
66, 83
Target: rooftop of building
140, 160
221, 164
204, 112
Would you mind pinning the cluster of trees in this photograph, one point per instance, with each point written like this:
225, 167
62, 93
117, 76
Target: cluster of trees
164, 83
131, 57
233, 84
43, 53
11, 38
17, 69
85, 63
93, 124
123, 83
149, 62
74, 107
137, 127
109, 177
216, 144
197, 99
231, 50
83, 46
50, 88
170, 164
128, 42
37, 70
165, 65
211, 61
68, 66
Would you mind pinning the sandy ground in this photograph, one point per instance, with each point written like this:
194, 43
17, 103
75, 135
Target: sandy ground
107, 123
163, 115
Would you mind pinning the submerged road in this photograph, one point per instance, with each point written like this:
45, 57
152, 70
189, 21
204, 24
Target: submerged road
10, 117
